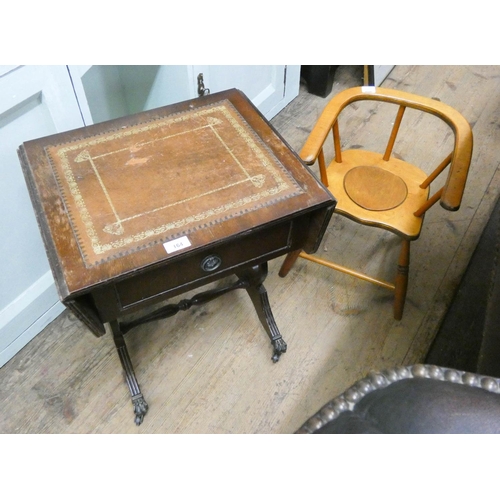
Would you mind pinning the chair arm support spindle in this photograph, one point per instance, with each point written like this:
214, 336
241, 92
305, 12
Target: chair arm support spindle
394, 133
430, 202
322, 168
336, 142
436, 172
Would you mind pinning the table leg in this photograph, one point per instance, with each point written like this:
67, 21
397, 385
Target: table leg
258, 294
289, 262
140, 405
251, 280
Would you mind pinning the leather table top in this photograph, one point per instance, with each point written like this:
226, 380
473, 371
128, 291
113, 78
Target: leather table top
112, 198
153, 182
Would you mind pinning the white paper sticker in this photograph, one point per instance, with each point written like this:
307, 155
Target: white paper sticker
368, 89
176, 245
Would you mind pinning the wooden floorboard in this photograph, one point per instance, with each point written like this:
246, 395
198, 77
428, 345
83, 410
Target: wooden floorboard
209, 370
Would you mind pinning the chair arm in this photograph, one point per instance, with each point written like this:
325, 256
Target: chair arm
452, 193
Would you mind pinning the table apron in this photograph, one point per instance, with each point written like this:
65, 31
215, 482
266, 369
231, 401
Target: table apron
184, 274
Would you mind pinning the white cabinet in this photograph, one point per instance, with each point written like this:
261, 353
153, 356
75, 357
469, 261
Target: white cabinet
34, 101
106, 92
270, 88
375, 75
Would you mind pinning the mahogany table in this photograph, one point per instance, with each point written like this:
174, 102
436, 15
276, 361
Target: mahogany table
136, 210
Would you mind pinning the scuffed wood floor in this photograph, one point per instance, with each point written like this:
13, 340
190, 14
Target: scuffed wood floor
209, 370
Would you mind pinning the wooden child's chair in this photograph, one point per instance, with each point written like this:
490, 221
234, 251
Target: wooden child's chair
377, 189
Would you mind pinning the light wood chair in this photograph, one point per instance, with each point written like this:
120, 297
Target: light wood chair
378, 189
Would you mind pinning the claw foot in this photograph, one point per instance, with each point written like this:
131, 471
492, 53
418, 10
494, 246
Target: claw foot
140, 408
279, 348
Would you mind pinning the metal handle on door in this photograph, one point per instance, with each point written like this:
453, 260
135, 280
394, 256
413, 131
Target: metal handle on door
201, 86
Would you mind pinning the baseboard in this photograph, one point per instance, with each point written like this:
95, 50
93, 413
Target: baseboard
28, 315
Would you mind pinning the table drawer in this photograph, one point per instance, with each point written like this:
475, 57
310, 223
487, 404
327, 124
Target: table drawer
204, 266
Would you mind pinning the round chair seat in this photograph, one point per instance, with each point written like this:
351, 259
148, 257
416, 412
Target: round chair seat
374, 188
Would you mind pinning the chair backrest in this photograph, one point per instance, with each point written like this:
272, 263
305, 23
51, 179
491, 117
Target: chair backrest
450, 195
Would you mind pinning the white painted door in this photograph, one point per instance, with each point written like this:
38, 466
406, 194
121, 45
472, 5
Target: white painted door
269, 87
35, 101
375, 75
106, 92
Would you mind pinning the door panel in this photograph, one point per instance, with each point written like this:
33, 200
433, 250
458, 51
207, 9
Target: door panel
375, 75
35, 101
107, 92
269, 87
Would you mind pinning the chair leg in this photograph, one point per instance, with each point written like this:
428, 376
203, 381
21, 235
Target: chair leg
289, 262
401, 283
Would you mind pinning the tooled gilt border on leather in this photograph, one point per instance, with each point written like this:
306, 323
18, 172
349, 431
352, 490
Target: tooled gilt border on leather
157, 122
